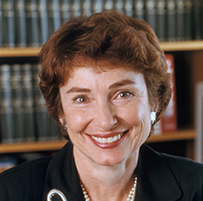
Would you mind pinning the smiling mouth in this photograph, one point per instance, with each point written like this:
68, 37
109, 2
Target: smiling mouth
109, 140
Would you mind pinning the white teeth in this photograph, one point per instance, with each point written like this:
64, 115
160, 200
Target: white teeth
107, 140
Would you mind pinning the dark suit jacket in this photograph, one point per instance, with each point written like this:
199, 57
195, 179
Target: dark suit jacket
160, 178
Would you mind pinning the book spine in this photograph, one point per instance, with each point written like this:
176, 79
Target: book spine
28, 102
118, 5
188, 20
32, 23
180, 20
1, 25
108, 4
8, 23
197, 24
17, 102
20, 23
161, 20
199, 123
6, 113
53, 16
139, 11
150, 15
76, 6
65, 11
168, 120
43, 21
128, 8
171, 21
41, 115
97, 6
86, 8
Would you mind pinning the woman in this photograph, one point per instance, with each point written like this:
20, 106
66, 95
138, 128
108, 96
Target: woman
105, 82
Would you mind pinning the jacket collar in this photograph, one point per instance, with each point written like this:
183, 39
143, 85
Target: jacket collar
155, 179
62, 175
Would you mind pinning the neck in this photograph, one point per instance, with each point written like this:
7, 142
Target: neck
113, 182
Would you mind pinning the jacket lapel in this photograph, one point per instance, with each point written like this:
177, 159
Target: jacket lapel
62, 175
155, 179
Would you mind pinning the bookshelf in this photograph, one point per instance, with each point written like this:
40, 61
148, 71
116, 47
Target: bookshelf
56, 145
194, 52
166, 46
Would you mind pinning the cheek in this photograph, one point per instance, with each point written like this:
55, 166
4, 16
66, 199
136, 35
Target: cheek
76, 120
136, 114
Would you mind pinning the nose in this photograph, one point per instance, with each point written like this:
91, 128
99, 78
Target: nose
105, 116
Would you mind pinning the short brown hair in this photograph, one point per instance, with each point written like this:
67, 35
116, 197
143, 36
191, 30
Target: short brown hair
107, 36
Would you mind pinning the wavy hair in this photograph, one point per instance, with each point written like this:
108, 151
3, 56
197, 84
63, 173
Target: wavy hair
107, 36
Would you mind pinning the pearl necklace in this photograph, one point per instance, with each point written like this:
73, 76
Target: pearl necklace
131, 195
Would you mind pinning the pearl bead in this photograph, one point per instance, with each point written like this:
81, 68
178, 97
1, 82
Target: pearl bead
131, 195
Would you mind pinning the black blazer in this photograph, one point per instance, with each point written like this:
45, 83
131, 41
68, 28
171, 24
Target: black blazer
160, 178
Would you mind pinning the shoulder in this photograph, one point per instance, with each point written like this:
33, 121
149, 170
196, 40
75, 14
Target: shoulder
170, 175
24, 180
189, 175
183, 166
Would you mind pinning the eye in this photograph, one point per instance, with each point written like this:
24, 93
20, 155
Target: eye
124, 94
80, 99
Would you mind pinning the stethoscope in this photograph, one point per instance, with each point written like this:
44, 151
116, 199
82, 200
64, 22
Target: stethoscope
54, 192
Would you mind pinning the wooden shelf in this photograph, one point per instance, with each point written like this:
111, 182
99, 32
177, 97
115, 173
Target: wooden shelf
32, 146
173, 136
56, 145
182, 45
19, 52
166, 46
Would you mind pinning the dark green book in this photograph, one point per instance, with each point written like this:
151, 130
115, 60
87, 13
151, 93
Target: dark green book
197, 17
17, 102
188, 20
108, 4
128, 8
6, 112
20, 23
86, 7
180, 7
97, 6
1, 25
161, 20
8, 23
65, 11
170, 20
150, 13
28, 102
139, 10
76, 6
54, 18
43, 21
32, 23
118, 5
42, 122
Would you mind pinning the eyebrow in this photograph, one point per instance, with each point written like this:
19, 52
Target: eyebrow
121, 83
114, 85
78, 89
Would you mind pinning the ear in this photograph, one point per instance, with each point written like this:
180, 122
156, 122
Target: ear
61, 118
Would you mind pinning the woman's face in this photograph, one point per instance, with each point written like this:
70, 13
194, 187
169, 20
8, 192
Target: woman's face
107, 113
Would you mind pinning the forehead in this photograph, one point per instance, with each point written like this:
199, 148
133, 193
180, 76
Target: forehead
109, 77
80, 64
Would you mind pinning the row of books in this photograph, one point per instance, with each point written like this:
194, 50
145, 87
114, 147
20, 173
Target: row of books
23, 115
31, 22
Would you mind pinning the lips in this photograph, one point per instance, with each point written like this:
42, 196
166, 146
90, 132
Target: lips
108, 141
